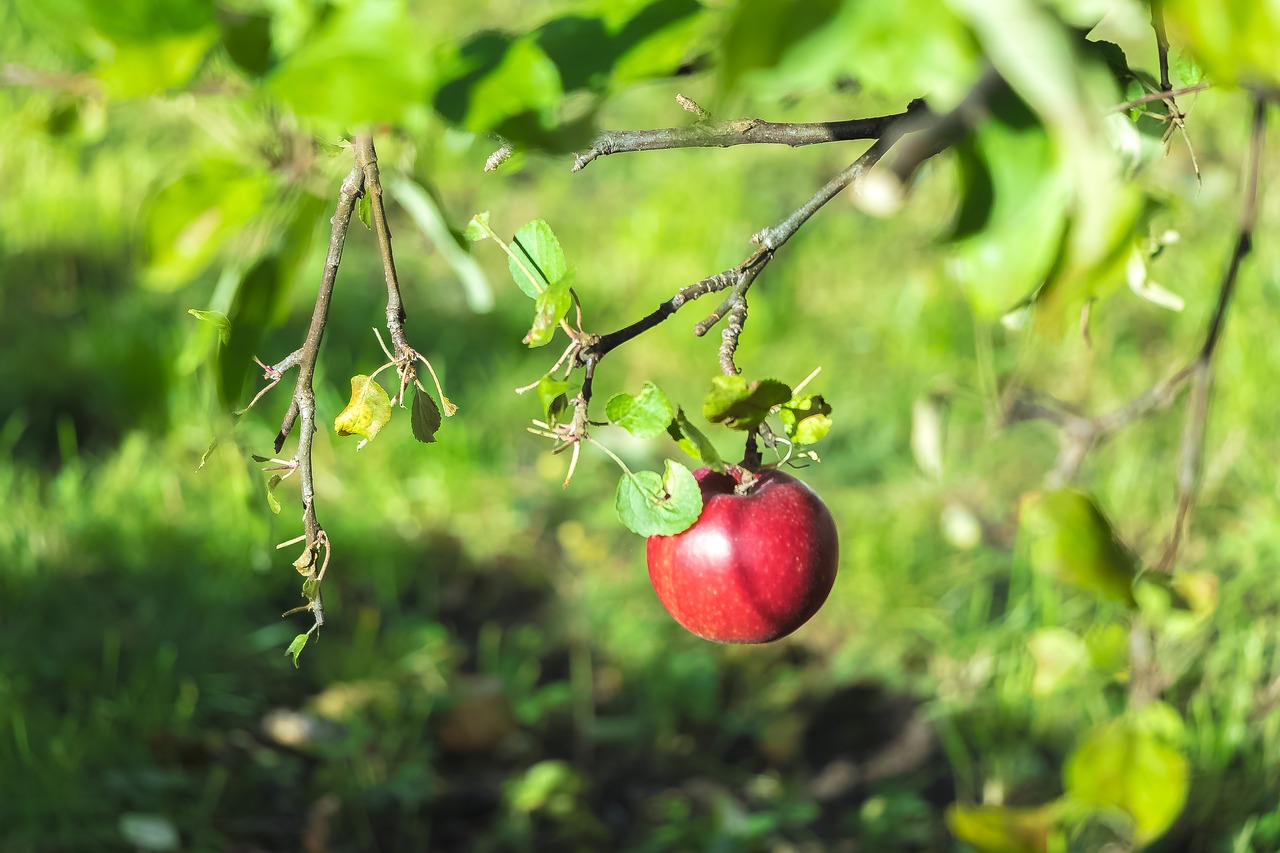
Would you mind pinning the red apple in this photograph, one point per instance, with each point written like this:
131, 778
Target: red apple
758, 562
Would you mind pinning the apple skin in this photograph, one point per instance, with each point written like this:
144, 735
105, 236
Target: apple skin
754, 567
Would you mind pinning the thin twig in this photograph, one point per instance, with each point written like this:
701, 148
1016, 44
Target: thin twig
706, 133
289, 362
12, 74
729, 336
367, 161
1162, 43
1191, 454
773, 238
1159, 96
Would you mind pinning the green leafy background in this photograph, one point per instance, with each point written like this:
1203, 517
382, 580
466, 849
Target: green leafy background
496, 673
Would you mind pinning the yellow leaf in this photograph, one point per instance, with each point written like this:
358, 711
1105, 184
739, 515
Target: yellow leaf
368, 411
1070, 539
1003, 829
1132, 764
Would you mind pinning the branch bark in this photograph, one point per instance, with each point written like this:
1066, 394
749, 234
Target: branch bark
1162, 43
707, 133
404, 356
367, 161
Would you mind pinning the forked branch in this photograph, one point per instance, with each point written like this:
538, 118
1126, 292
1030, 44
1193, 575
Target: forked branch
738, 279
301, 413
302, 407
1080, 433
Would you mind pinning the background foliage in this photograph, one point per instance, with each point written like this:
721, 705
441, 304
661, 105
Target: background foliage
496, 673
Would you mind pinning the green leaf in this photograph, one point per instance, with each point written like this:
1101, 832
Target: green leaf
694, 442
138, 21
647, 415
652, 505
144, 68
1003, 829
247, 39
367, 413
208, 451
806, 418
424, 416
500, 85
550, 305
364, 209
1011, 220
546, 786
296, 647
762, 32
743, 405
258, 296
539, 252
191, 219
1070, 88
367, 63
894, 50
461, 66
610, 42
478, 227
1108, 648
552, 393
526, 81
1188, 71
1235, 43
1070, 539
217, 318
1130, 765
977, 190
658, 38
272, 501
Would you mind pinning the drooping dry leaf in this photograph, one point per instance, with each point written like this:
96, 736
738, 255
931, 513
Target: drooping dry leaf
368, 411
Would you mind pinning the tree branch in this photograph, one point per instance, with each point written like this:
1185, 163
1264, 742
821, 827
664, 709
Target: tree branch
1081, 433
367, 161
404, 356
739, 278
707, 133
302, 407
932, 134
1191, 453
1162, 43
940, 133
1160, 96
